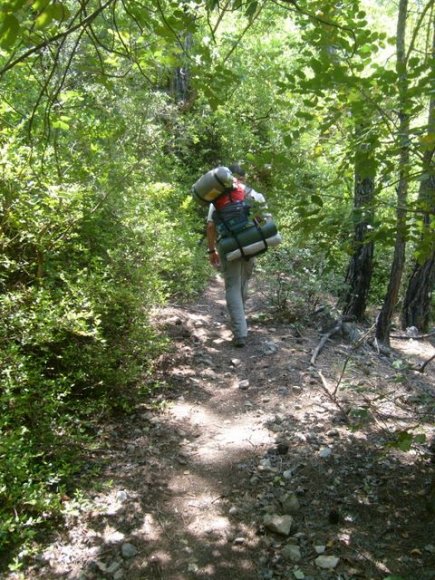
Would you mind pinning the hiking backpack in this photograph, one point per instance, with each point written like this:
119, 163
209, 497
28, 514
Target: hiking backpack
239, 233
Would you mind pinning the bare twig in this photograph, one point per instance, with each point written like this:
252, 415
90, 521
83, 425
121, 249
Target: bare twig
332, 396
59, 36
324, 338
419, 337
424, 365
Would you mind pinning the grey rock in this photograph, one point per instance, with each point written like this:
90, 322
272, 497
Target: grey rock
325, 452
113, 568
128, 550
269, 347
326, 562
121, 496
244, 384
290, 503
278, 524
291, 553
101, 566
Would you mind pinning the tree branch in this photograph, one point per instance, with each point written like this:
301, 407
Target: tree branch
59, 36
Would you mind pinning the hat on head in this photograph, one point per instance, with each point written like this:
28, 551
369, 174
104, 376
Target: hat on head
237, 170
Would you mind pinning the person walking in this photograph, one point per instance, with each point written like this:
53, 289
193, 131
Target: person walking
236, 273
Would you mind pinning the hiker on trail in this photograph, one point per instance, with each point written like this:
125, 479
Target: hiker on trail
237, 272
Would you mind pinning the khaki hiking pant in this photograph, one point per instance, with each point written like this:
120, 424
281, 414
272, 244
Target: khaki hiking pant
236, 276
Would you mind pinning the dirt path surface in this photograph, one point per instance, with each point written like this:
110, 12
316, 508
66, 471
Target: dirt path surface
251, 464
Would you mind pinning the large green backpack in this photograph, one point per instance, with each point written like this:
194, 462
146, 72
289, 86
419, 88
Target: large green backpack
240, 235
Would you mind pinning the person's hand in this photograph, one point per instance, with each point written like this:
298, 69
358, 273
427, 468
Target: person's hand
214, 259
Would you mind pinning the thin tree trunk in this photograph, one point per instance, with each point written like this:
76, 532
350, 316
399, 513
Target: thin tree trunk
416, 309
383, 324
360, 268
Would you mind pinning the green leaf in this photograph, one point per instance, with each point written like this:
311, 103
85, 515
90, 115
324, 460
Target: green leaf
9, 31
40, 4
59, 124
252, 9
316, 199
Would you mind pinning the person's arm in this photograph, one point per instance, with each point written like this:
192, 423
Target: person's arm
211, 244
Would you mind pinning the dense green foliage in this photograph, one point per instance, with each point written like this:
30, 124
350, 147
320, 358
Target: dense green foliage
109, 112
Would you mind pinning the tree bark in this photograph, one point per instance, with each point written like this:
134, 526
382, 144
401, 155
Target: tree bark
384, 320
360, 268
416, 309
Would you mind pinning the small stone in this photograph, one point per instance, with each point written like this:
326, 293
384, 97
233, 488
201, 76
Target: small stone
243, 385
236, 362
269, 347
101, 566
233, 510
325, 452
287, 474
278, 524
192, 567
128, 550
333, 433
238, 541
298, 574
115, 537
320, 549
114, 567
121, 496
326, 562
291, 553
265, 465
290, 504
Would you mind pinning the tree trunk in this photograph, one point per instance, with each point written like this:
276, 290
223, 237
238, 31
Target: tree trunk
383, 323
360, 268
417, 303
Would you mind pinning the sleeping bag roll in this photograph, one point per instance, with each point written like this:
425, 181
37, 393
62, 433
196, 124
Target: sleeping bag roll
254, 249
248, 236
212, 184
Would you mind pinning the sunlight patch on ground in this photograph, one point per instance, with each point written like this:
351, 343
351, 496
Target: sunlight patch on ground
229, 436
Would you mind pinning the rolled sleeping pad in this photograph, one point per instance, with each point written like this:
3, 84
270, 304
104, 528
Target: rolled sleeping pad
254, 249
248, 236
212, 184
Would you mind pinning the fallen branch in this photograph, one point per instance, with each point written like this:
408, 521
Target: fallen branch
324, 338
334, 330
418, 337
332, 396
421, 368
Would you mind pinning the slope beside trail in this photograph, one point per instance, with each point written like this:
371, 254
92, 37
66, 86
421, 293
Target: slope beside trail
250, 464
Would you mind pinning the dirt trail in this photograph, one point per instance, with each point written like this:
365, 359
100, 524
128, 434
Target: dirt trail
250, 441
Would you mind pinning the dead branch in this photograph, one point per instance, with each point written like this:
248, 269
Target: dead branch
421, 368
332, 396
419, 337
334, 330
61, 35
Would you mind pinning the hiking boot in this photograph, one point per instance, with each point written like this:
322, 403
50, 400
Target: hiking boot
239, 341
